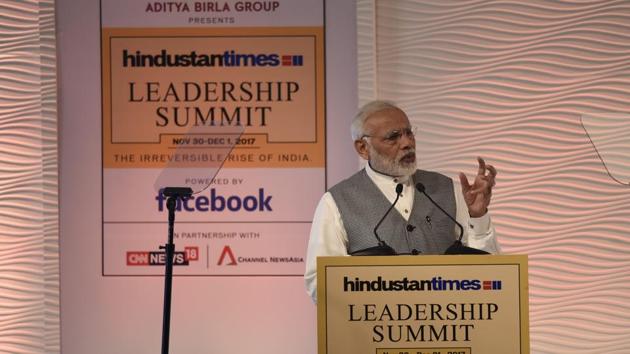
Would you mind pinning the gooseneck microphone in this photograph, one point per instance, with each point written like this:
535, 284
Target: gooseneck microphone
399, 188
383, 249
457, 247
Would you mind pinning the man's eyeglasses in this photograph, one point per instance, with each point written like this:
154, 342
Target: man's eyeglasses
394, 136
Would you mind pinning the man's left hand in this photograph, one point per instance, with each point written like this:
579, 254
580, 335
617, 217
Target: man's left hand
478, 195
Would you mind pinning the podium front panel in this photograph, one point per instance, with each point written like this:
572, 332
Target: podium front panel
423, 305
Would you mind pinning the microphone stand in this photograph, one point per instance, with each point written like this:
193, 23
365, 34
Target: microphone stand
457, 247
172, 193
382, 249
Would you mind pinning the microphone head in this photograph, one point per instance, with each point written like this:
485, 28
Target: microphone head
420, 187
399, 188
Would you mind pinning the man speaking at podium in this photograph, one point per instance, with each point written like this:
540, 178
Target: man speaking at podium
355, 217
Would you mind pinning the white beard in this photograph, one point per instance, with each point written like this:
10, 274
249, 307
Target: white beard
391, 167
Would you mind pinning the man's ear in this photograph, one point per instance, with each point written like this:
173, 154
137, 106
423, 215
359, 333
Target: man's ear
362, 149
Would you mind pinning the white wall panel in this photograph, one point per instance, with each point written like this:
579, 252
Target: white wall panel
29, 260
512, 81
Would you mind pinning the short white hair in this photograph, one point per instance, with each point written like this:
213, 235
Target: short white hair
368, 109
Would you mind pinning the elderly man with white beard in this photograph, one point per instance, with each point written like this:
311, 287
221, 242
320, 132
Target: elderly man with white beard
347, 214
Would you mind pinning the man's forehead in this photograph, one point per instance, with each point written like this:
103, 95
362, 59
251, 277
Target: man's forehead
387, 117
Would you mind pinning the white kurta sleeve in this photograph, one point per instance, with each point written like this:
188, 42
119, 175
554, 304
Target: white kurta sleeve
328, 238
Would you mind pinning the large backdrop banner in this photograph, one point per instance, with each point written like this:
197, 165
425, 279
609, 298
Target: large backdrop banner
236, 113
248, 103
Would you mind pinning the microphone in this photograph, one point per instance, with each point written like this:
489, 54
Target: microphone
457, 247
383, 249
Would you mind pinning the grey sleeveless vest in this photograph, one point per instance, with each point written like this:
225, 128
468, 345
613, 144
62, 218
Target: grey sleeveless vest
428, 231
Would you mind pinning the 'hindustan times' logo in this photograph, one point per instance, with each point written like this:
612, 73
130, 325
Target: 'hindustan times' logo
228, 58
405, 284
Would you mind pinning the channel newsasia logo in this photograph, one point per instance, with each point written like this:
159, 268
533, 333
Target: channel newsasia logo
158, 258
228, 258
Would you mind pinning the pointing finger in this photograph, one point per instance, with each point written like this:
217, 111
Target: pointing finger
482, 166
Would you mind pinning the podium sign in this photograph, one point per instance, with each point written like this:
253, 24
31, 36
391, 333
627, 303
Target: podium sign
423, 305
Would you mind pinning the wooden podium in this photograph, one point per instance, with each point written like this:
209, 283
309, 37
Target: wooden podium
423, 305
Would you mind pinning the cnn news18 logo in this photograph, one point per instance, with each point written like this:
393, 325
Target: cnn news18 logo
158, 258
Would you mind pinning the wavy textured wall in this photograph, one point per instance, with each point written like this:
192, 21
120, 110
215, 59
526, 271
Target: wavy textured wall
29, 261
541, 89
